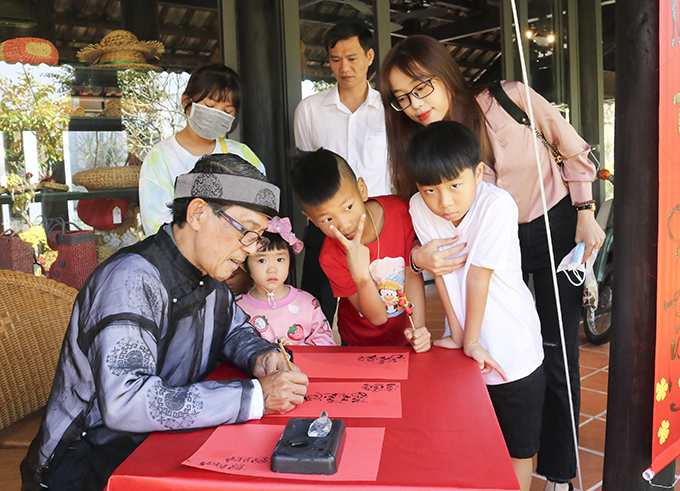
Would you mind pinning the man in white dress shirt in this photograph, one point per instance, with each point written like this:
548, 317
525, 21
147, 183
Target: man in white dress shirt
348, 119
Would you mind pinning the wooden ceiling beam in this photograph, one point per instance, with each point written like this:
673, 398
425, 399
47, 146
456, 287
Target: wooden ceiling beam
210, 5
90, 22
471, 43
319, 18
465, 27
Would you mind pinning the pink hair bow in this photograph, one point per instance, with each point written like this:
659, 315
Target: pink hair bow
283, 227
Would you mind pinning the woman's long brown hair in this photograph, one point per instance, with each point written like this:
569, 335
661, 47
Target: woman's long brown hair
421, 57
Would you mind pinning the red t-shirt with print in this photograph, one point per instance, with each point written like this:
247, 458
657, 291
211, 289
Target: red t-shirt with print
387, 271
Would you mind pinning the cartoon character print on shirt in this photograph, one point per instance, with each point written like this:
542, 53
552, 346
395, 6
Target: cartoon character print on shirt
174, 407
260, 323
388, 292
388, 276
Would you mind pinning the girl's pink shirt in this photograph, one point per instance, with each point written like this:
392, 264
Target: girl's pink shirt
297, 317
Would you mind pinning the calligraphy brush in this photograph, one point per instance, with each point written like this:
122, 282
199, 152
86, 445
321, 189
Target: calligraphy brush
283, 350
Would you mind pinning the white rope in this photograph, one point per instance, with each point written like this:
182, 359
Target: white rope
649, 480
525, 78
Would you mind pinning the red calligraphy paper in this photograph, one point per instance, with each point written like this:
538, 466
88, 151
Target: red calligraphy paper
353, 365
349, 400
246, 450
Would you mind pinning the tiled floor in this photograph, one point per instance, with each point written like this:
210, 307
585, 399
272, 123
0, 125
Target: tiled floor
594, 362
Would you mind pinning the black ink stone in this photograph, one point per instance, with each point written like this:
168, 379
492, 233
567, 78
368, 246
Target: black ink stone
297, 453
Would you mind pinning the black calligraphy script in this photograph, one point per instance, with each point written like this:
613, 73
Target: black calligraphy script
380, 387
234, 463
338, 397
380, 360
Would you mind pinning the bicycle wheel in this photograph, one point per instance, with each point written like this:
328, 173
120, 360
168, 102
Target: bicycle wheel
597, 324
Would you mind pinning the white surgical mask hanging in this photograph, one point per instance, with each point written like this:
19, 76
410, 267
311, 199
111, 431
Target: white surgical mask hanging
572, 264
209, 123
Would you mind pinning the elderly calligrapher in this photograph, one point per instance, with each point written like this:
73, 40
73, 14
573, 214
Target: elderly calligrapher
151, 323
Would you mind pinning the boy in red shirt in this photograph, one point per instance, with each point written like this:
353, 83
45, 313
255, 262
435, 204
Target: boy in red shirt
365, 254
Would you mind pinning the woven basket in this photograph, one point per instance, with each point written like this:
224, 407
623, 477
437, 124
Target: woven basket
52, 186
34, 315
22, 189
15, 254
113, 109
103, 253
49, 185
29, 50
126, 176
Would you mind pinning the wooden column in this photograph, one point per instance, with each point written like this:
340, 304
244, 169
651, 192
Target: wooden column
591, 77
631, 367
382, 37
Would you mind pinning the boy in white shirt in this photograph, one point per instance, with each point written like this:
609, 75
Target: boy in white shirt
490, 310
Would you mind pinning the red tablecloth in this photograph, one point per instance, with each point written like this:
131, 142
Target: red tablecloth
447, 439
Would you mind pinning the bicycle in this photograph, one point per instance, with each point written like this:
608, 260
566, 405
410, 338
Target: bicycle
597, 323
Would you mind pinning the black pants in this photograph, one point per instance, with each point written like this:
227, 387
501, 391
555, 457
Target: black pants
87, 467
314, 280
556, 457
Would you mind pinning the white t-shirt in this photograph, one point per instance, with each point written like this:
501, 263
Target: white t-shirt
167, 160
511, 330
321, 120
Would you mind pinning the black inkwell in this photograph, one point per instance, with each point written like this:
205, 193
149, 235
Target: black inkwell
310, 446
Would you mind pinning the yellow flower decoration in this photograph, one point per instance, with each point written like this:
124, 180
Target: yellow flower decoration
661, 390
664, 431
38, 239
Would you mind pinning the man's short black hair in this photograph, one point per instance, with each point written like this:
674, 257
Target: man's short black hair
316, 176
346, 30
441, 152
214, 163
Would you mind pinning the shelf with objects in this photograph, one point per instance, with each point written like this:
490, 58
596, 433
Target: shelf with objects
74, 138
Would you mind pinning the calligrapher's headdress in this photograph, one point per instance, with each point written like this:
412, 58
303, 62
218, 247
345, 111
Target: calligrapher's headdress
283, 227
254, 194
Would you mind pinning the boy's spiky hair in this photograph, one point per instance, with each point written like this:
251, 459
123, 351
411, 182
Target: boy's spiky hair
316, 176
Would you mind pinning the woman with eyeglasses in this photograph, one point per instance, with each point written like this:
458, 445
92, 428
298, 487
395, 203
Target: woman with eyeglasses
420, 83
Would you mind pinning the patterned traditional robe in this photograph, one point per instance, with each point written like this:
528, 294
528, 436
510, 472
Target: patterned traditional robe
146, 330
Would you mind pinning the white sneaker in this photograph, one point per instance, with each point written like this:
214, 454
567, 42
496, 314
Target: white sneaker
558, 486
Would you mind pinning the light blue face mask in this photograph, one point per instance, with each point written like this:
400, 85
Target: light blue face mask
209, 123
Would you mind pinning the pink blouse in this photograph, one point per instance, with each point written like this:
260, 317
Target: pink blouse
513, 147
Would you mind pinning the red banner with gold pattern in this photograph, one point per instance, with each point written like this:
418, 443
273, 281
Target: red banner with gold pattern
666, 431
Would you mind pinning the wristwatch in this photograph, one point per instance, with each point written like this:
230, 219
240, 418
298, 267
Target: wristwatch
589, 206
414, 268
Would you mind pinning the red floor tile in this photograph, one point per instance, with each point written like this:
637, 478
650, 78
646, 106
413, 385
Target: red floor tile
596, 381
591, 435
592, 358
593, 403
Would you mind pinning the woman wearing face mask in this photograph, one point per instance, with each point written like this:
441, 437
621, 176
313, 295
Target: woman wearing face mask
212, 103
420, 83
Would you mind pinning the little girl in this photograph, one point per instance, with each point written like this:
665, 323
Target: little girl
279, 311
